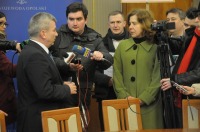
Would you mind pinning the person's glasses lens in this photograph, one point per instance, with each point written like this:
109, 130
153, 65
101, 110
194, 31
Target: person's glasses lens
2, 24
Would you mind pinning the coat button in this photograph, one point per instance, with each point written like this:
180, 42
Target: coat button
133, 62
132, 79
134, 47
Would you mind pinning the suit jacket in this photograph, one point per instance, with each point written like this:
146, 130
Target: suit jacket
40, 87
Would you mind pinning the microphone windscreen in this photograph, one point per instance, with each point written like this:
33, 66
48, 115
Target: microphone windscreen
81, 50
70, 57
23, 43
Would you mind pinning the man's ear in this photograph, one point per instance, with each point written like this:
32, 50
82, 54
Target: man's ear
43, 33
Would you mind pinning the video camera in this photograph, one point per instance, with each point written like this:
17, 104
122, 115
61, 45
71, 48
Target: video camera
162, 25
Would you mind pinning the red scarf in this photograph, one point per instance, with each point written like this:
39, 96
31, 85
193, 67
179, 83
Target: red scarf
184, 66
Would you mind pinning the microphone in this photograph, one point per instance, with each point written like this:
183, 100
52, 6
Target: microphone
86, 52
23, 43
64, 54
70, 57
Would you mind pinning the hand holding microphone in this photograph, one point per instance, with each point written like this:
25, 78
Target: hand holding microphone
68, 57
75, 67
97, 56
18, 47
86, 52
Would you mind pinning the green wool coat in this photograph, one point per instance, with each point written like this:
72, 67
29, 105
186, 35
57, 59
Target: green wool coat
137, 73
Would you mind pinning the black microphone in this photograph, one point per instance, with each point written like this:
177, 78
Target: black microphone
23, 43
64, 54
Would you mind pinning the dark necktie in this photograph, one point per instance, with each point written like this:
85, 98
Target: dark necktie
51, 57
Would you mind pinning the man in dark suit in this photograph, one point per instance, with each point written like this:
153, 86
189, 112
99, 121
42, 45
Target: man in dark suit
40, 85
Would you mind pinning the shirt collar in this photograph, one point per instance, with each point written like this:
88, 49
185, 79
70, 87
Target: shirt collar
42, 45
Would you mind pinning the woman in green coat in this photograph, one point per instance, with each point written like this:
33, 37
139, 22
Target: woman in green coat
137, 71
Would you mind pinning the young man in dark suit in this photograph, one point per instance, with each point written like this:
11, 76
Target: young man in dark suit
40, 85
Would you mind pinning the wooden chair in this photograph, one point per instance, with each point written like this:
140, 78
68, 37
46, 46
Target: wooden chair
121, 114
2, 122
191, 113
62, 120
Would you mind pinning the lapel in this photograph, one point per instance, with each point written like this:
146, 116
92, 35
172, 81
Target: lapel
48, 58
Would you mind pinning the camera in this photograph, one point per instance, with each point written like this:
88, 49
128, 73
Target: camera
163, 25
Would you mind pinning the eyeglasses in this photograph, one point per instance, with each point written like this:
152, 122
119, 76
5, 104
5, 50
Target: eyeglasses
3, 24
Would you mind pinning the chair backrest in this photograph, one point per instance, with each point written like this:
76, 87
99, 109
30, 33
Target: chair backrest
191, 113
121, 114
2, 122
62, 120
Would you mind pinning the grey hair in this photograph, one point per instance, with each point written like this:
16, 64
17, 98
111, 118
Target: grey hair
38, 22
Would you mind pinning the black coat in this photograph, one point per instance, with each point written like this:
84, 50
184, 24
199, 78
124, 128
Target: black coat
64, 42
192, 75
40, 87
91, 39
7, 45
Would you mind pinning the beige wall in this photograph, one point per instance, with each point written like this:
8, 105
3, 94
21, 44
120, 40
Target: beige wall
98, 11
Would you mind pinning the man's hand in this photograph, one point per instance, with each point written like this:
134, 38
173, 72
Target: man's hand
110, 83
97, 56
165, 84
75, 67
72, 87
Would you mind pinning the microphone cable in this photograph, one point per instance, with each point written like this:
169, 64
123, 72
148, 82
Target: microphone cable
12, 61
83, 106
12, 70
85, 101
156, 103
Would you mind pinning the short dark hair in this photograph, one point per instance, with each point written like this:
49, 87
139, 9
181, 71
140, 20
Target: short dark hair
2, 14
77, 6
180, 12
113, 13
191, 14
